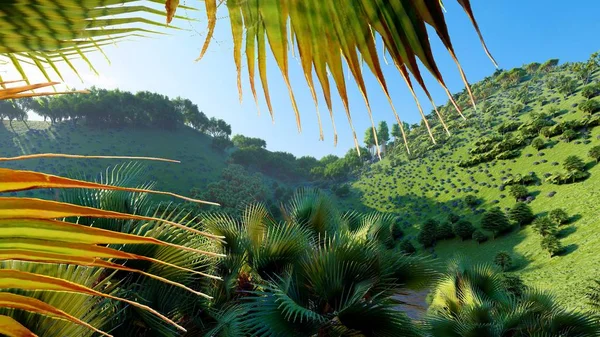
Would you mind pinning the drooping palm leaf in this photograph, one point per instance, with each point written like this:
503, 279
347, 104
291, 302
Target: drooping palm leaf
326, 33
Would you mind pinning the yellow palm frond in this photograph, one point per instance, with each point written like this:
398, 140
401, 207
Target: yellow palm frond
328, 33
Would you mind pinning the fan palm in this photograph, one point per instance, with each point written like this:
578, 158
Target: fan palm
318, 272
472, 301
325, 34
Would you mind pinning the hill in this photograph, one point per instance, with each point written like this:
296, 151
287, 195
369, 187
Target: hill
200, 163
492, 149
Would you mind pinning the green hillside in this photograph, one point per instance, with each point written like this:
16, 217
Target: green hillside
200, 164
432, 184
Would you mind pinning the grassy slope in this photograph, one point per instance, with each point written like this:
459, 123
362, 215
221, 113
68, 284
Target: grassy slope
567, 275
199, 163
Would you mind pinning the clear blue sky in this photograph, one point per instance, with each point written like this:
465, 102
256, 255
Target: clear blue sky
517, 32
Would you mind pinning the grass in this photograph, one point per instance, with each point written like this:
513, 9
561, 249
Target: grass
422, 188
200, 164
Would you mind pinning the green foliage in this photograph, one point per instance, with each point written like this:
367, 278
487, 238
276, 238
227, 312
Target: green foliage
369, 139
342, 191
569, 135
574, 163
463, 229
566, 85
471, 200
538, 144
314, 264
428, 233
594, 153
241, 141
518, 192
495, 221
503, 260
552, 245
590, 91
453, 218
407, 247
593, 295
444, 231
590, 106
474, 301
521, 214
559, 216
544, 226
12, 110
383, 134
237, 188
479, 237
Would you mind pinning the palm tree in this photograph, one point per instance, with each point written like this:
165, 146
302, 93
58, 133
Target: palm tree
473, 301
316, 273
60, 31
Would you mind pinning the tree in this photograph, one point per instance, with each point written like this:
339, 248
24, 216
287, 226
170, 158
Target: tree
444, 231
369, 139
397, 133
479, 237
495, 221
538, 144
594, 153
428, 233
503, 260
518, 192
552, 245
590, 91
453, 218
464, 229
383, 134
407, 247
569, 135
567, 85
471, 200
241, 141
590, 106
559, 216
544, 226
574, 164
521, 214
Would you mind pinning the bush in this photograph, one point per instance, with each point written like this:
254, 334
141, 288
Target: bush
589, 91
518, 192
569, 135
594, 153
544, 226
552, 245
521, 214
513, 284
589, 106
538, 144
453, 218
479, 237
444, 231
397, 231
407, 247
464, 229
495, 221
503, 260
471, 200
573, 164
559, 216
342, 191
428, 233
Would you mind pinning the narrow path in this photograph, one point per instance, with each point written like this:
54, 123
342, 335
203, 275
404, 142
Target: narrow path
414, 304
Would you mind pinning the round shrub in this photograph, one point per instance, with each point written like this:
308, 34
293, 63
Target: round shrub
495, 221
503, 260
479, 237
559, 216
521, 214
464, 229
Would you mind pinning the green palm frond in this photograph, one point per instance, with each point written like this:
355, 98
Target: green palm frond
46, 33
